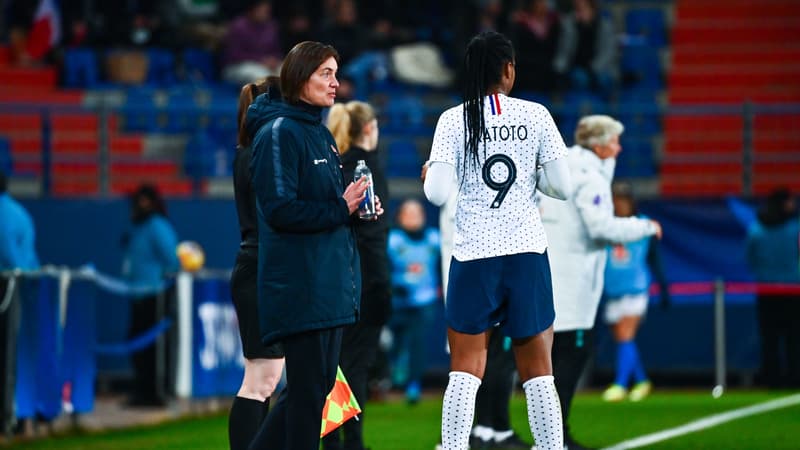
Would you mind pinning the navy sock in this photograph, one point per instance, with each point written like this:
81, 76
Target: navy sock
244, 421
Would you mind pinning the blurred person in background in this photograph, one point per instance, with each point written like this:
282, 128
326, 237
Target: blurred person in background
414, 257
354, 126
535, 29
578, 232
626, 290
772, 254
586, 57
17, 233
498, 148
263, 364
251, 49
149, 258
309, 277
17, 251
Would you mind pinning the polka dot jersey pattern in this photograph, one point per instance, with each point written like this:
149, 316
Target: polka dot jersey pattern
489, 223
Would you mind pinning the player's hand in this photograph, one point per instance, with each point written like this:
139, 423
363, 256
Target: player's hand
659, 232
424, 172
354, 194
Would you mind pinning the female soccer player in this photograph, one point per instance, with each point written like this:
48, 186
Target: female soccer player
263, 364
500, 273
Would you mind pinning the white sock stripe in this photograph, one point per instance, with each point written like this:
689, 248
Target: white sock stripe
539, 379
467, 375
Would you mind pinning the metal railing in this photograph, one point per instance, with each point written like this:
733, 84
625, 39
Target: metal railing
651, 134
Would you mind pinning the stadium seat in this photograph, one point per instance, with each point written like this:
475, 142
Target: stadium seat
649, 24
641, 67
6, 163
80, 68
636, 158
198, 66
404, 160
183, 114
139, 112
161, 67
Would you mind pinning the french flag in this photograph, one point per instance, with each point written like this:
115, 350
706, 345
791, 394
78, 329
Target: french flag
46, 30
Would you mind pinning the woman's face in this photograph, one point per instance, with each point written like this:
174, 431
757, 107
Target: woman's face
371, 134
610, 150
320, 89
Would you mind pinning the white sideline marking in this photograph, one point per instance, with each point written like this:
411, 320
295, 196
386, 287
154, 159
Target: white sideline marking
707, 422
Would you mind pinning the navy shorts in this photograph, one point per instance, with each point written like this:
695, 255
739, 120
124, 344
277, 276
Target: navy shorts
514, 291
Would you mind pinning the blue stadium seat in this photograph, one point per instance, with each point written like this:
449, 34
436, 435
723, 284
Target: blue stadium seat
404, 114
640, 117
648, 24
641, 64
636, 158
80, 68
198, 66
6, 163
404, 160
199, 155
139, 111
160, 68
183, 114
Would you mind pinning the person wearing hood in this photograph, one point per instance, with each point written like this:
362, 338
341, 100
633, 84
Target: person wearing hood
578, 231
309, 277
773, 255
150, 255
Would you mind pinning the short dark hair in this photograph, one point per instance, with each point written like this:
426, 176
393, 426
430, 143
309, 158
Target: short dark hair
300, 63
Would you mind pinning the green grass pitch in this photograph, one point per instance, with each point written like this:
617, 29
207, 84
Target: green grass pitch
397, 426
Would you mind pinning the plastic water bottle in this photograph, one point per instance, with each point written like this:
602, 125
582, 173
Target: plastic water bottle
366, 210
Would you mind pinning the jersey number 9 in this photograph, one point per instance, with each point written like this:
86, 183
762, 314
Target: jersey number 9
503, 186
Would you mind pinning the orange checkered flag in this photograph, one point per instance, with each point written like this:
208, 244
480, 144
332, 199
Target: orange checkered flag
340, 405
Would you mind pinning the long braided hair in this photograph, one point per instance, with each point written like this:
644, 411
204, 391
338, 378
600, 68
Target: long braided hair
486, 56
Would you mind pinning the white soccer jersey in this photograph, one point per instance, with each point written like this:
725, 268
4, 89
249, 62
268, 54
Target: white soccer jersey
495, 210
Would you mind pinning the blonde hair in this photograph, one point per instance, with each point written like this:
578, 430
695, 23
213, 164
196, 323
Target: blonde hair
346, 122
597, 130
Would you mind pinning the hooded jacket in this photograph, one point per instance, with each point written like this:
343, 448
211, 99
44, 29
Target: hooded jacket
308, 272
578, 231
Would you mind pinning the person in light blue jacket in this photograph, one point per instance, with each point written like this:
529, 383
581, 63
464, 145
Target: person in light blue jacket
17, 233
414, 257
149, 257
773, 254
628, 273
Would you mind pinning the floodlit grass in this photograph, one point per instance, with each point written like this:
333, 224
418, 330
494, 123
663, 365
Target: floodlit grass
397, 426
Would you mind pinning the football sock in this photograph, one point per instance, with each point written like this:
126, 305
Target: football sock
544, 413
244, 421
458, 410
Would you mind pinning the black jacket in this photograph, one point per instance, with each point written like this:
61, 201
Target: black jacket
308, 274
376, 284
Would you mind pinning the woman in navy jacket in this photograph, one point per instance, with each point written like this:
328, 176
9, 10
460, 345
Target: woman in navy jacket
308, 266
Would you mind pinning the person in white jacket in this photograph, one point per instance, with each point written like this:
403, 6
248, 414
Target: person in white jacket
578, 232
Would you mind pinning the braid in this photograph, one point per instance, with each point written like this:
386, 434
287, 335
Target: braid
483, 68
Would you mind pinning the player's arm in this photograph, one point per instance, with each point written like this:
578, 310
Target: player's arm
439, 182
441, 166
599, 220
554, 180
